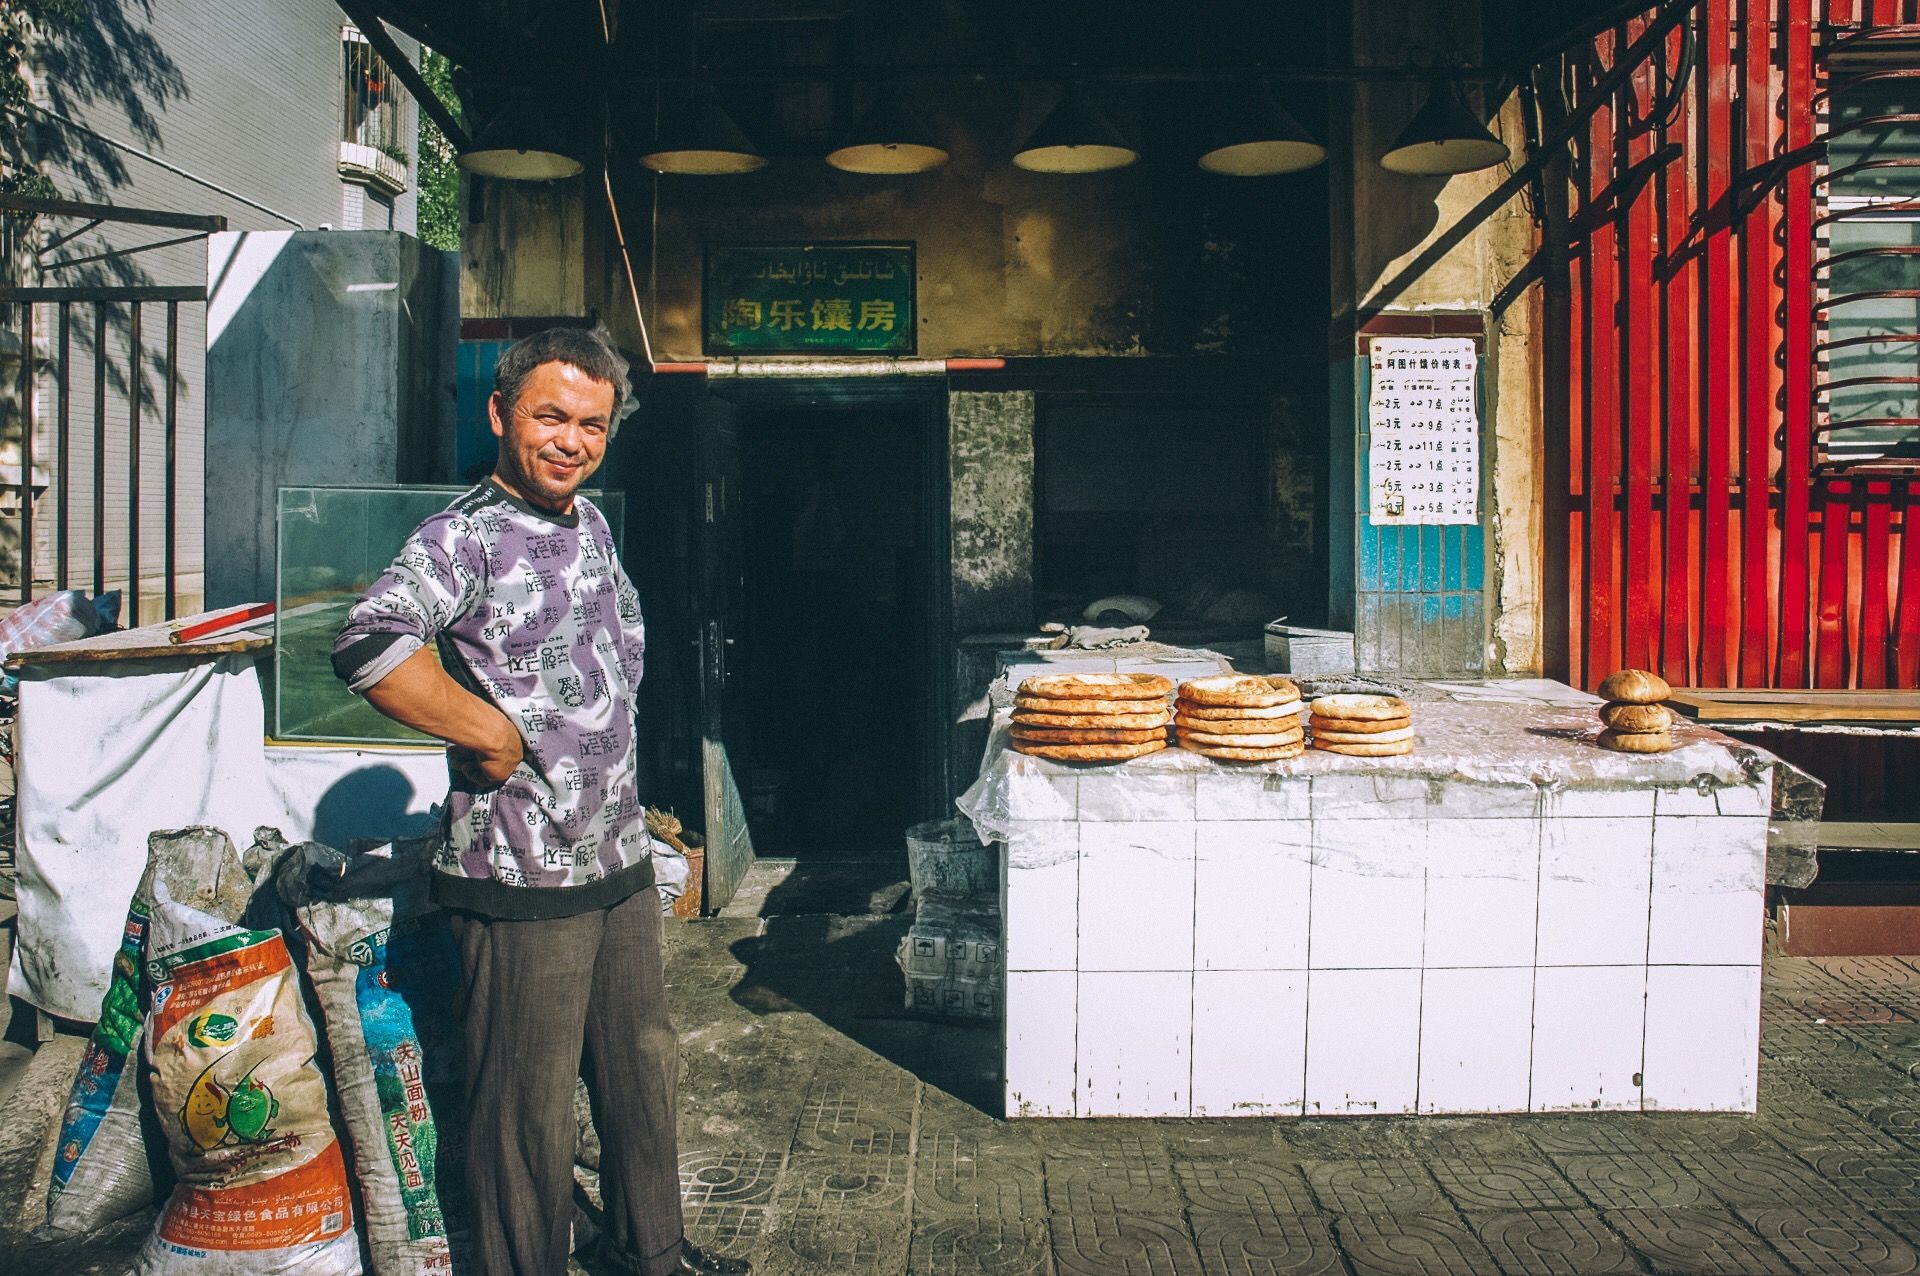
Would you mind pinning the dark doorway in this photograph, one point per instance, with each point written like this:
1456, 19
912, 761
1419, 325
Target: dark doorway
837, 647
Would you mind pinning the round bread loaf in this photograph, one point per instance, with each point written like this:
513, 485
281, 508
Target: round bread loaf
1636, 742
1228, 754
1360, 726
1395, 749
1078, 735
1194, 709
1366, 708
1041, 704
1106, 721
1635, 686
1362, 737
1236, 689
1090, 752
1637, 719
1097, 686
1274, 740
1238, 726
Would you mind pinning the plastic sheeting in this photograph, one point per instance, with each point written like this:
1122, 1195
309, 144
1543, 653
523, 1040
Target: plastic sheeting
111, 751
1520, 761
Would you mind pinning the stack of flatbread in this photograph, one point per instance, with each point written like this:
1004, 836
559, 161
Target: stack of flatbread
1240, 718
1635, 720
1091, 717
1363, 726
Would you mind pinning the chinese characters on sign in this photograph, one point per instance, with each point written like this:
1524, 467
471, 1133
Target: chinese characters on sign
809, 298
1423, 455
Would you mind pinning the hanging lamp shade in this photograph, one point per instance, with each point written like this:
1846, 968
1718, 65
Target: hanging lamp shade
1076, 138
519, 147
1254, 136
1444, 137
890, 139
701, 138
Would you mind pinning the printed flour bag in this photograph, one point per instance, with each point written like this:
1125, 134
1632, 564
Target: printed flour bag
230, 1051
387, 976
101, 1168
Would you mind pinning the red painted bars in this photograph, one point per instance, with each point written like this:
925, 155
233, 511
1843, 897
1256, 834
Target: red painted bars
1692, 353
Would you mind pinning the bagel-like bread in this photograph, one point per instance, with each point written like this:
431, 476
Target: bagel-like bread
1090, 735
1097, 686
1041, 704
1364, 708
1090, 752
1238, 726
1241, 689
1141, 721
1222, 754
1275, 740
1194, 709
1363, 737
1636, 742
1635, 686
1637, 719
1360, 726
1365, 750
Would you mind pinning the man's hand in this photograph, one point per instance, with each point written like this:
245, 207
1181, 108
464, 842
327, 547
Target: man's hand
490, 766
419, 694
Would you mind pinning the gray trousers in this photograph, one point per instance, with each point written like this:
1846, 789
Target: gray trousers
537, 993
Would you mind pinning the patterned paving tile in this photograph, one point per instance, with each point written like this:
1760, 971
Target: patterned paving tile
1122, 1245
1409, 1244
1884, 1181
862, 1115
1275, 1245
1111, 1185
945, 1246
1829, 1125
1839, 1006
1648, 1181
1244, 1188
1573, 1242
1619, 1134
1375, 1187
956, 1174
864, 1183
1820, 1242
1696, 1243
837, 1240
1760, 1179
1870, 972
1505, 1183
1897, 1119
729, 1178
1804, 1044
734, 1230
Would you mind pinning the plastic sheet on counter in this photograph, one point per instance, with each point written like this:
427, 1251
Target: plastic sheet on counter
1524, 766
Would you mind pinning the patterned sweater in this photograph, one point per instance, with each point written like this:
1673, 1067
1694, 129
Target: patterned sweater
531, 612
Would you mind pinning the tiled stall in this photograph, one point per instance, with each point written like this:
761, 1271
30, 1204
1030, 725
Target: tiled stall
1220, 942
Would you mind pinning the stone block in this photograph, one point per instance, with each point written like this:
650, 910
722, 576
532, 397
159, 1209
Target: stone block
1483, 890
1251, 891
1476, 1039
1137, 796
1596, 803
1041, 1018
1249, 1042
1136, 896
1709, 882
1593, 891
1703, 1038
1135, 1044
1369, 893
1040, 899
1251, 795
1042, 797
1363, 1042
1588, 1031
1362, 795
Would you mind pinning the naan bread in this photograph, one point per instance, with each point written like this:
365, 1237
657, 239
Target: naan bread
1097, 686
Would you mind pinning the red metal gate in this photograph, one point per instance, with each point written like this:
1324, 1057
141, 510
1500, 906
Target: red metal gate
1697, 534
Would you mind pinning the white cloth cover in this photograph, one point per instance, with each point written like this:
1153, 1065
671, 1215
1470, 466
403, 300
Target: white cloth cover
335, 793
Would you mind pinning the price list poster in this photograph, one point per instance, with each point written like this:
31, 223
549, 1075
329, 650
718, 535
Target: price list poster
1423, 453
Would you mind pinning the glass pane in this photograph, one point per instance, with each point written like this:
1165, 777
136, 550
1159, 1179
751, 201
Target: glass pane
333, 543
1867, 128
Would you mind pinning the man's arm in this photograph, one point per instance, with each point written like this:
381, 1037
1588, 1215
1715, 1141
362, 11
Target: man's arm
419, 694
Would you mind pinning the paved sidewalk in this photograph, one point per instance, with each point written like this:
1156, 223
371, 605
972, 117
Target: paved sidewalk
823, 1131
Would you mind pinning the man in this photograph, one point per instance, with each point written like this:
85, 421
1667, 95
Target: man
544, 860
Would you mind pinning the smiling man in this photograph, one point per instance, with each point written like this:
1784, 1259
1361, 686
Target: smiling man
544, 861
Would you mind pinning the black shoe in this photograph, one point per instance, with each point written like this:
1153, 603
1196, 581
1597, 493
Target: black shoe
695, 1261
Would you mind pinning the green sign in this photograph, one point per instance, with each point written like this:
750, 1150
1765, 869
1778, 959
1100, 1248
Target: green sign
809, 299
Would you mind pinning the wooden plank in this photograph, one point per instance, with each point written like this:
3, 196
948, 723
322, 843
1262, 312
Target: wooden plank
1906, 627
161, 293
1849, 835
1720, 332
1783, 705
147, 642
1603, 382
1797, 321
1681, 417
1830, 627
1757, 300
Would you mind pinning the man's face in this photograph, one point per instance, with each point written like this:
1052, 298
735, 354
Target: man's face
553, 438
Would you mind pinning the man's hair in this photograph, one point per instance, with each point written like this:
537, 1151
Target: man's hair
588, 349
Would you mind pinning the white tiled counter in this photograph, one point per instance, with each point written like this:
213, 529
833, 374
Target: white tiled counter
1510, 920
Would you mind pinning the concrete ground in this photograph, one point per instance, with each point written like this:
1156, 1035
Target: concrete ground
823, 1131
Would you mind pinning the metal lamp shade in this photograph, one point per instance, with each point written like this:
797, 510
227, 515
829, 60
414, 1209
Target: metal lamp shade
1075, 139
516, 148
703, 140
1444, 138
888, 141
1257, 137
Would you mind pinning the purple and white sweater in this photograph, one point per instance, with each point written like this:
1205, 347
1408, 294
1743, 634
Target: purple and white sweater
531, 612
